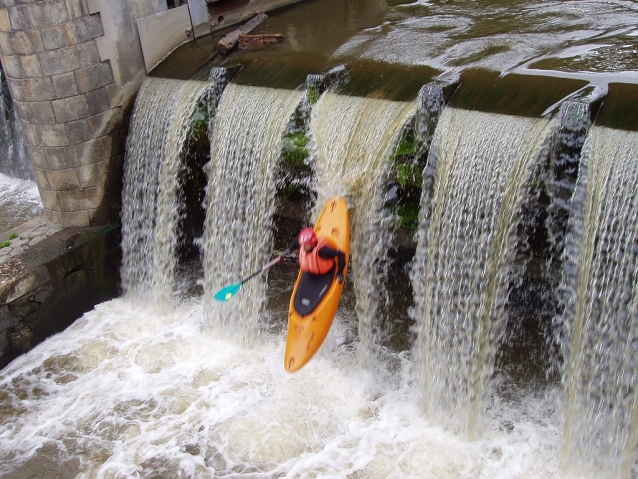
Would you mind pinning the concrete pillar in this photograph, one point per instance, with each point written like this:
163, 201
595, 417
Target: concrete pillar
73, 98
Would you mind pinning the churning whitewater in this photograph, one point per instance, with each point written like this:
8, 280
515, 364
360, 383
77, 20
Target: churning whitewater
19, 202
129, 392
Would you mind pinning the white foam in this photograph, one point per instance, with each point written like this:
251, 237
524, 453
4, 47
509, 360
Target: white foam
19, 201
131, 391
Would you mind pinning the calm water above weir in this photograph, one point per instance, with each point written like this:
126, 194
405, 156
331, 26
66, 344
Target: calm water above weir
503, 349
595, 40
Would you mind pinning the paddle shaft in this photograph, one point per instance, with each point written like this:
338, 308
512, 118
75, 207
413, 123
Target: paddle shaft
229, 291
264, 268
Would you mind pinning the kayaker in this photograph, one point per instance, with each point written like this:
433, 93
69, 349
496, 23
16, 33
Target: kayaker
315, 256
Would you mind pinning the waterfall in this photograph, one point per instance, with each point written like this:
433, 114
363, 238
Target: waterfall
185, 398
245, 148
480, 169
353, 138
151, 198
600, 315
13, 156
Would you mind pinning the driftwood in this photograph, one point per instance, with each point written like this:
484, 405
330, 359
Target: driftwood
230, 41
255, 41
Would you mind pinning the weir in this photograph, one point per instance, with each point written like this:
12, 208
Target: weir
488, 324
151, 194
245, 149
485, 179
574, 122
482, 169
486, 176
600, 318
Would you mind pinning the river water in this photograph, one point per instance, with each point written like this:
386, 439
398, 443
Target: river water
587, 39
505, 36
19, 202
128, 392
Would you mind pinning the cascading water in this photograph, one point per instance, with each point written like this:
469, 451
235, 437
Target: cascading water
353, 138
151, 206
600, 316
130, 391
19, 196
13, 156
19, 201
479, 171
245, 148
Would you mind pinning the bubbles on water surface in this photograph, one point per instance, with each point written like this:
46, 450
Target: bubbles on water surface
128, 392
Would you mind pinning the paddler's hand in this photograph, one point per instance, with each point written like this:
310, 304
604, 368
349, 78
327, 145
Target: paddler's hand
340, 277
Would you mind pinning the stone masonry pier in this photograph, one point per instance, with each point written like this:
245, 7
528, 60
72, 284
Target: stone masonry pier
66, 98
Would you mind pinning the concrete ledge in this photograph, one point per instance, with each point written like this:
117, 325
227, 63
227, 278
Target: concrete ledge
51, 284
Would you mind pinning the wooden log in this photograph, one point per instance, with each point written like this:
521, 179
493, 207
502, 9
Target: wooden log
256, 41
230, 41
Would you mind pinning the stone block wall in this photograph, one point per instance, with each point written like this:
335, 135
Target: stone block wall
72, 116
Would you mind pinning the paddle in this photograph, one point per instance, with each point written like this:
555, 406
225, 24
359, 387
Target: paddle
231, 290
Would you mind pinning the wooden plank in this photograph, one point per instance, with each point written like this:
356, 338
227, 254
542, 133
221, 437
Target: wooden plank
256, 41
230, 41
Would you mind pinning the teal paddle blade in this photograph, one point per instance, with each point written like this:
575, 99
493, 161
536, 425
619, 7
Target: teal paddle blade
228, 292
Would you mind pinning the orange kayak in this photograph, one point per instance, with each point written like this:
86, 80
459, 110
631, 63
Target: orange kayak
315, 298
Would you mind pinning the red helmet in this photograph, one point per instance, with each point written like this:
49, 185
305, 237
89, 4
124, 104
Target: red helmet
307, 235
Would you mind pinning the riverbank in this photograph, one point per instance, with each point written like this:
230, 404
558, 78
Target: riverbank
49, 276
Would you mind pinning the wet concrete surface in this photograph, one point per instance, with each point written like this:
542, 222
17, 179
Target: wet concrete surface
17, 240
49, 276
